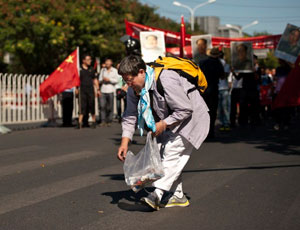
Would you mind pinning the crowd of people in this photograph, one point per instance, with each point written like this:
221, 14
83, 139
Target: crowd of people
241, 98
233, 98
104, 87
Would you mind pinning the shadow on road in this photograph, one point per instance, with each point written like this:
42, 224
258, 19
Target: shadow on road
128, 200
264, 137
122, 178
115, 176
241, 168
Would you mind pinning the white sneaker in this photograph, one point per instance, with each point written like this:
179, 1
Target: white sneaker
175, 201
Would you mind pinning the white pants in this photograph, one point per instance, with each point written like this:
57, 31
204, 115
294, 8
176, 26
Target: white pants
175, 152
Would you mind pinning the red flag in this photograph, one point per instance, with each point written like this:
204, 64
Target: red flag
182, 35
289, 95
66, 76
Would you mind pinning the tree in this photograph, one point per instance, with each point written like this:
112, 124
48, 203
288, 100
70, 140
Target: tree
270, 61
41, 33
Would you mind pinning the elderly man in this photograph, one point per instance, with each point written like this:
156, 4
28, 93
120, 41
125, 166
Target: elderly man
178, 118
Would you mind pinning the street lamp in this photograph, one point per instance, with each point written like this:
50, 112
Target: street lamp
192, 10
240, 29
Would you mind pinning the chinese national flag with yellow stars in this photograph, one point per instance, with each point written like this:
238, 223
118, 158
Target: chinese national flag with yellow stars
66, 76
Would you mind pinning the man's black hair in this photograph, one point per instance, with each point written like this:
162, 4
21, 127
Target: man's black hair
131, 65
221, 54
84, 56
108, 58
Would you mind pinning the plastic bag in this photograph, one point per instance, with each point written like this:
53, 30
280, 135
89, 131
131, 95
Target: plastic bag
145, 167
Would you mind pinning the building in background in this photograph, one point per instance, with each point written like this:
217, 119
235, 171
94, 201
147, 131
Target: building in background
229, 32
208, 24
211, 25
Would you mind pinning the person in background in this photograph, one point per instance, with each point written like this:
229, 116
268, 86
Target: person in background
67, 107
235, 98
282, 116
121, 91
224, 97
266, 85
213, 71
108, 78
249, 101
89, 89
99, 98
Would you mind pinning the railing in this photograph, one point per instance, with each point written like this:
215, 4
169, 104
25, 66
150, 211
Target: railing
20, 100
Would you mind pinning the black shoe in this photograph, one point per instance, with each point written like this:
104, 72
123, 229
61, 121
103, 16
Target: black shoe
86, 125
93, 125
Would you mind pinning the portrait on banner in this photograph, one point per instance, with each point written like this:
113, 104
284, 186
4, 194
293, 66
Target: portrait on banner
200, 45
288, 47
242, 56
152, 45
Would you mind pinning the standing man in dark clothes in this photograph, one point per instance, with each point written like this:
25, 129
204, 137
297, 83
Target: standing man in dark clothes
88, 85
213, 71
249, 101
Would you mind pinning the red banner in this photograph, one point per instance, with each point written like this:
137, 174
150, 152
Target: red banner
261, 42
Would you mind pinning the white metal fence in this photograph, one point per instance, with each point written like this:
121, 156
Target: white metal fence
20, 100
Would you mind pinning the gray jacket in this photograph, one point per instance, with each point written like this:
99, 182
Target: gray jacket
189, 116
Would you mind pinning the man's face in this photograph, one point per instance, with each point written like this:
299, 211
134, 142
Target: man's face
108, 63
241, 53
294, 37
151, 42
87, 60
137, 83
201, 47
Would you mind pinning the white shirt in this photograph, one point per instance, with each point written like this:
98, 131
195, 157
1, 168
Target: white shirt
113, 77
236, 84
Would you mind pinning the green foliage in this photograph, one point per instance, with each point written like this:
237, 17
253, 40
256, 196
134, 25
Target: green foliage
270, 61
262, 33
41, 33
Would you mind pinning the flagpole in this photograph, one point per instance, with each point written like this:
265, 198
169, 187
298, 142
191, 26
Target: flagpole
182, 36
78, 68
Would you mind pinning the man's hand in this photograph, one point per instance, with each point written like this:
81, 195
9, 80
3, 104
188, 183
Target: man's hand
122, 152
161, 126
98, 94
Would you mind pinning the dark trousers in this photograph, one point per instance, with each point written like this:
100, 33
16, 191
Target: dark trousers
211, 99
107, 107
67, 107
249, 107
121, 95
282, 116
235, 100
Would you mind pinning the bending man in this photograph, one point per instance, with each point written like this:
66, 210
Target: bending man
180, 120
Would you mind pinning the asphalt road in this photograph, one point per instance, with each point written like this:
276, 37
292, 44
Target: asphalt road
62, 178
